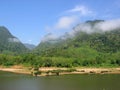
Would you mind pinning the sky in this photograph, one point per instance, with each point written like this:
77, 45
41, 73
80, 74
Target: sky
31, 20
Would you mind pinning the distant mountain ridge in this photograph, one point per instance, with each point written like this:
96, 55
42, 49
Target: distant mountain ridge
93, 43
92, 34
10, 43
29, 46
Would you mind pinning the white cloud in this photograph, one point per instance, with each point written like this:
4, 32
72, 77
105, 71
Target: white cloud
49, 37
13, 40
109, 25
72, 17
100, 26
83, 10
65, 22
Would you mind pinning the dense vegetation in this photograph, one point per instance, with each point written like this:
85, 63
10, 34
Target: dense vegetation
10, 44
84, 49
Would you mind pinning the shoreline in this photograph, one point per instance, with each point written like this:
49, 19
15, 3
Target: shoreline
18, 71
79, 70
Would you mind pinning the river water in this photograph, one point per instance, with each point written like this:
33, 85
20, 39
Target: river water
11, 81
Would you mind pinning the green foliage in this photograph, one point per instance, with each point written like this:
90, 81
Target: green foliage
10, 44
95, 49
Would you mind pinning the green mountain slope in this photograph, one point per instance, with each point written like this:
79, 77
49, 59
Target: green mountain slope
93, 43
95, 47
108, 41
10, 44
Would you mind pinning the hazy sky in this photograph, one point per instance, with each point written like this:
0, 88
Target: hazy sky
31, 20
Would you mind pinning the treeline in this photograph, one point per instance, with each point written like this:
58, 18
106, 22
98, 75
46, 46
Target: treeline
95, 49
89, 59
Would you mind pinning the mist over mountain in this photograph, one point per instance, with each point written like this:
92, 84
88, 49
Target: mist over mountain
98, 26
100, 35
10, 43
95, 34
93, 43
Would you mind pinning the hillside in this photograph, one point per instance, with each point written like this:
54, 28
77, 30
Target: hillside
9, 43
98, 40
84, 47
93, 43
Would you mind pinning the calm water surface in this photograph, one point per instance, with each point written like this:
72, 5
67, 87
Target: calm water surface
11, 81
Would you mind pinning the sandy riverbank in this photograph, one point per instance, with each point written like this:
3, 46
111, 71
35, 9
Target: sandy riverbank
24, 70
16, 69
83, 70
19, 71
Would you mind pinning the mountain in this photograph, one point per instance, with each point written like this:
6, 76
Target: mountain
92, 43
29, 46
9, 43
89, 43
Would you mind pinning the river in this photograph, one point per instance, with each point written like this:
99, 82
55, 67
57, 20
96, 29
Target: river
11, 81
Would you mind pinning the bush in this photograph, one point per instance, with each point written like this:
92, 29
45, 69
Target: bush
118, 62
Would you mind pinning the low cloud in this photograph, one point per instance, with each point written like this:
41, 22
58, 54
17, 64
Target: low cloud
49, 37
13, 40
65, 22
83, 10
100, 26
88, 27
62, 24
108, 25
70, 18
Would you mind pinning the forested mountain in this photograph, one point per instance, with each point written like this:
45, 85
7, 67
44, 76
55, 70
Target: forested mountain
101, 41
88, 44
93, 43
108, 42
10, 44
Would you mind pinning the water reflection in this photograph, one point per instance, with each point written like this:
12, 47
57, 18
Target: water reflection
10, 81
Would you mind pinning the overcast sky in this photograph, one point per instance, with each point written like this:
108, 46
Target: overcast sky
31, 20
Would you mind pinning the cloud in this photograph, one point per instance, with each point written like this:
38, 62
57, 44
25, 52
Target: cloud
73, 16
65, 22
49, 37
88, 27
99, 27
83, 10
14, 40
108, 25
83, 27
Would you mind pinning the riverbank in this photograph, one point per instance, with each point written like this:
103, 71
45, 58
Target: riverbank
18, 70
45, 71
83, 70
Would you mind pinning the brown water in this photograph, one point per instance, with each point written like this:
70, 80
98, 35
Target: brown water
11, 81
